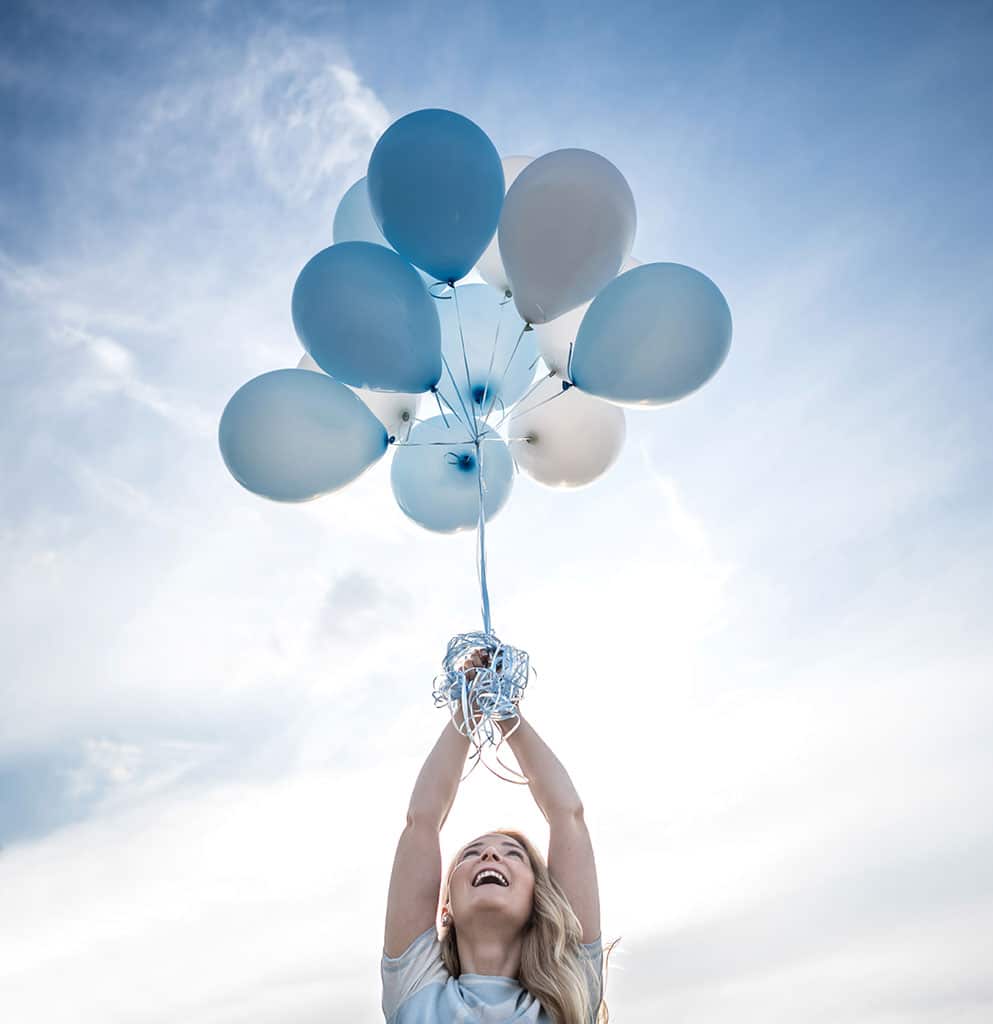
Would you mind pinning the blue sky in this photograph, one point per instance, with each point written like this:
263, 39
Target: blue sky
205, 693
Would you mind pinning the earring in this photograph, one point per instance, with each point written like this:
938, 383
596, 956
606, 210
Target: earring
445, 920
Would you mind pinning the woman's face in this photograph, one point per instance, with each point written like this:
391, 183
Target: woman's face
471, 891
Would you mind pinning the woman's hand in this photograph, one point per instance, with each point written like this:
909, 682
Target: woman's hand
475, 660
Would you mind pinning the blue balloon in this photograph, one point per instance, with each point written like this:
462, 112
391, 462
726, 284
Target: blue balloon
353, 220
436, 187
434, 475
292, 435
366, 318
653, 335
501, 359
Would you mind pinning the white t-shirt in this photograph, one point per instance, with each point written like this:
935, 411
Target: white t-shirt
417, 989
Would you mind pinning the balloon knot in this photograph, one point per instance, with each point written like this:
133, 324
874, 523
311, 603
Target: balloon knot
392, 439
566, 384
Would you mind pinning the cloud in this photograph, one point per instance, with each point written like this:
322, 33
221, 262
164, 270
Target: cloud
157, 298
308, 118
354, 602
189, 895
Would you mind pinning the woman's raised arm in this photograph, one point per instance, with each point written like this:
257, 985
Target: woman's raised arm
415, 882
570, 850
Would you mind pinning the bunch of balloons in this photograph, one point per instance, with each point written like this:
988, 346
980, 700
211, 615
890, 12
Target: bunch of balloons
384, 323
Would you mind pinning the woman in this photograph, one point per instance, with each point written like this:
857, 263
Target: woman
520, 941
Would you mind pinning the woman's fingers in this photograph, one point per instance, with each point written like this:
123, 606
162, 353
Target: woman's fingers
476, 660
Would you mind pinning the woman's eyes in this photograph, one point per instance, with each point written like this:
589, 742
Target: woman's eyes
516, 853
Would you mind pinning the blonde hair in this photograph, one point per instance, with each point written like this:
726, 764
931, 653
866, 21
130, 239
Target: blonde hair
552, 967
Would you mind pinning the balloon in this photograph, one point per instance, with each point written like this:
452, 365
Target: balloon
436, 188
500, 358
365, 317
394, 409
652, 336
292, 435
353, 220
567, 227
307, 363
490, 266
437, 486
555, 337
565, 439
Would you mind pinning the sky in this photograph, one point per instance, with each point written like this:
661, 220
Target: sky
761, 637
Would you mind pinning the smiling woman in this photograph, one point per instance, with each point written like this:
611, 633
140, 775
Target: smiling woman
520, 936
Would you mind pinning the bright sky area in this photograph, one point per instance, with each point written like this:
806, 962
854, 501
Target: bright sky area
762, 638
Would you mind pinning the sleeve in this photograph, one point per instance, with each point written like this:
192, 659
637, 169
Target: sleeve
592, 953
420, 964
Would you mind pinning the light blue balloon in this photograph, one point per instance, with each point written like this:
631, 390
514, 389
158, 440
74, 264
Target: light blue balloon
365, 317
436, 188
435, 478
353, 220
652, 336
500, 358
293, 435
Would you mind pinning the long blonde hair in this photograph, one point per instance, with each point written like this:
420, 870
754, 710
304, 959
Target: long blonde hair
552, 967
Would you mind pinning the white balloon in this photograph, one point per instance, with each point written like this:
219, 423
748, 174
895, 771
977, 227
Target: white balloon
567, 227
394, 409
565, 439
307, 363
490, 266
555, 337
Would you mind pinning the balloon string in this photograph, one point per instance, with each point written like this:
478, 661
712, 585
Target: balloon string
441, 408
465, 359
468, 418
491, 696
481, 544
468, 440
551, 398
489, 371
494, 691
506, 369
451, 408
527, 394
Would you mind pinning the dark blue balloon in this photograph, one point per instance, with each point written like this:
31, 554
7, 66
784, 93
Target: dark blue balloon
652, 336
292, 435
365, 317
435, 480
436, 188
